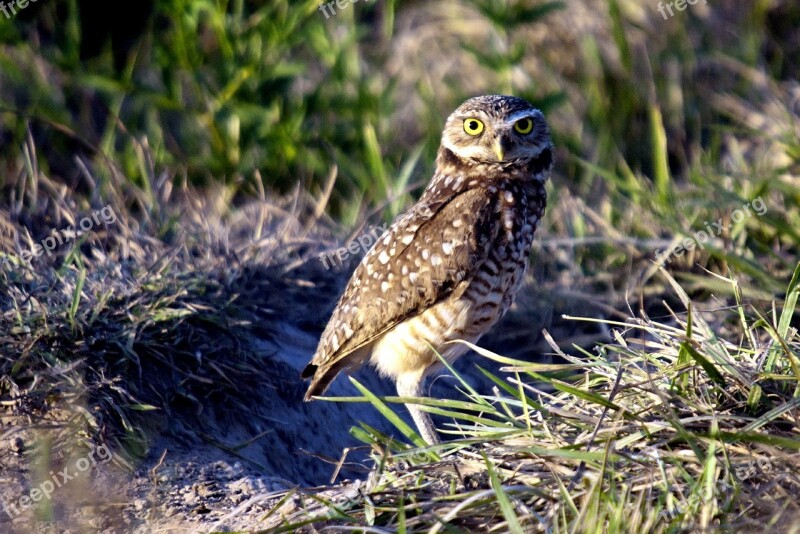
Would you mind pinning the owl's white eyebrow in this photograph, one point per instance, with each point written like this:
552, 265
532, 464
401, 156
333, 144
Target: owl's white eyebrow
531, 113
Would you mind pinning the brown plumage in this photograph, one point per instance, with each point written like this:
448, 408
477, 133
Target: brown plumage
450, 267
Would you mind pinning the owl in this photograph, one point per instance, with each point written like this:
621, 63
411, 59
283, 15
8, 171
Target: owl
449, 268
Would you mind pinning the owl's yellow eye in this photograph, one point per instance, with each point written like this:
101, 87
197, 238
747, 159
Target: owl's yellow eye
524, 126
473, 126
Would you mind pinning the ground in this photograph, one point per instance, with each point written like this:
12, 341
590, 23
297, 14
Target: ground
170, 204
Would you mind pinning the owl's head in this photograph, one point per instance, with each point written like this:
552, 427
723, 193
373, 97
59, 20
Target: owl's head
497, 129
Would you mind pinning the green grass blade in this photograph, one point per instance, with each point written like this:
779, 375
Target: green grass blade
390, 415
506, 507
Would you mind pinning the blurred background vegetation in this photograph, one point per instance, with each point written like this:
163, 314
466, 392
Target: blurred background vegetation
646, 112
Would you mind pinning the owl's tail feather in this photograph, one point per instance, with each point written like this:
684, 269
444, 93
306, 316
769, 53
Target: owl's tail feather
321, 378
323, 374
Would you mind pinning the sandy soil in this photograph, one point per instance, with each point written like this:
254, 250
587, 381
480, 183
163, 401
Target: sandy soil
214, 472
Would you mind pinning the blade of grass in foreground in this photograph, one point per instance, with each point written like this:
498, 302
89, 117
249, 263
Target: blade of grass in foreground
387, 412
502, 499
789, 309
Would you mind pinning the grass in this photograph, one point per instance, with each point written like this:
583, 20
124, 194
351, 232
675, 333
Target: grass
653, 432
236, 141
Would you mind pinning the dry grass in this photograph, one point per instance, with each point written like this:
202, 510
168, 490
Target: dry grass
687, 422
670, 427
685, 417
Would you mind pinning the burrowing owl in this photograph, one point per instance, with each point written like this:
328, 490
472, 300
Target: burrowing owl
450, 267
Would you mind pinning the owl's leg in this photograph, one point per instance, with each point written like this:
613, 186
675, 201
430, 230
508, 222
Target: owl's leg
410, 385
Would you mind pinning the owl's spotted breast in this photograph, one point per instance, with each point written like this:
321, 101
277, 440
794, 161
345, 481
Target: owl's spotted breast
481, 299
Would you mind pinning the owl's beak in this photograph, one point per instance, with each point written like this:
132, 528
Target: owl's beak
497, 147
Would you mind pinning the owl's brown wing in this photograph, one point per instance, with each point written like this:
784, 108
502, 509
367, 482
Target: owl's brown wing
420, 260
